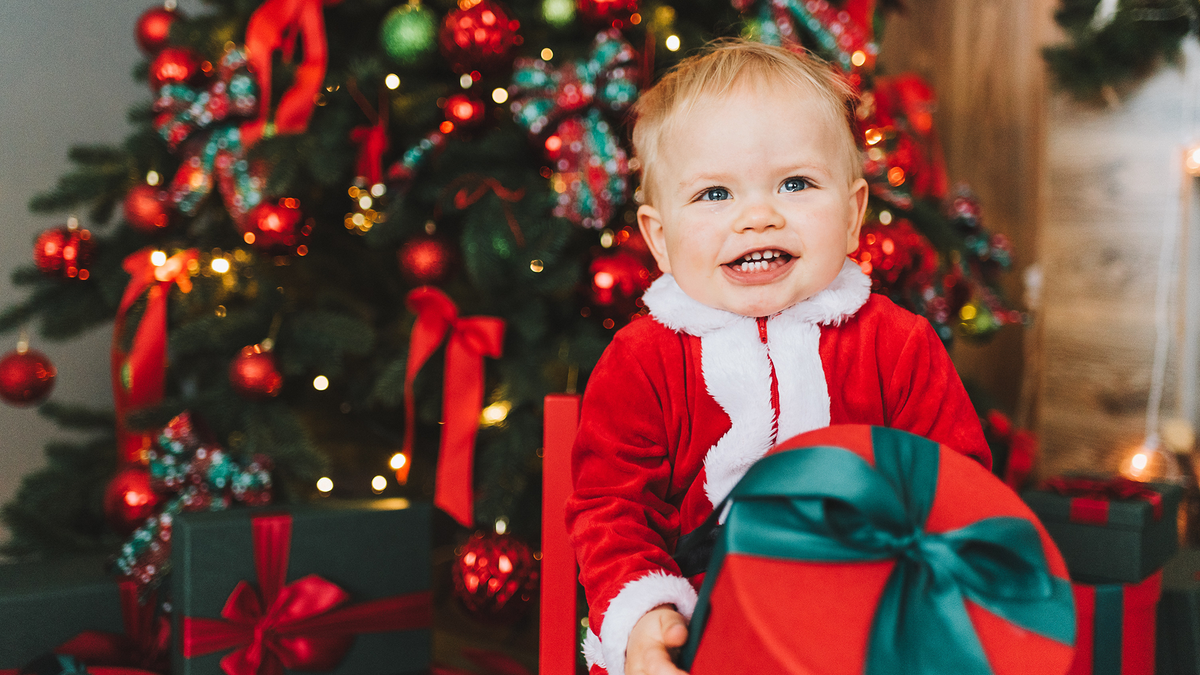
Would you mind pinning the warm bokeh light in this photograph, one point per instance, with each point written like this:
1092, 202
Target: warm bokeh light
465, 81
547, 54
320, 383
398, 461
858, 58
392, 81
495, 413
220, 265
324, 484
499, 94
673, 43
378, 483
1191, 161
158, 258
152, 177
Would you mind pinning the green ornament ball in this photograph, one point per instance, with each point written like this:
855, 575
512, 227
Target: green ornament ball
558, 13
408, 32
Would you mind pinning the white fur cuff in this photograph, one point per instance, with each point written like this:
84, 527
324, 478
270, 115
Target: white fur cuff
631, 604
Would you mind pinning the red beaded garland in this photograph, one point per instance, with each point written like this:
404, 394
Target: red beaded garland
64, 252
173, 65
272, 226
26, 377
465, 111
481, 37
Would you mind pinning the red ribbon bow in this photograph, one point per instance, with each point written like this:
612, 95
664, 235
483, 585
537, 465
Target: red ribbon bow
1090, 496
139, 376
145, 642
304, 625
276, 25
470, 339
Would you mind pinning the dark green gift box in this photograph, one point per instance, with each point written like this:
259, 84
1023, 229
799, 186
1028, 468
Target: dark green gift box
1110, 540
1179, 616
44, 604
376, 551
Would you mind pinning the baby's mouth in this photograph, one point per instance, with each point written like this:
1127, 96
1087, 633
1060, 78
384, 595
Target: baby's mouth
760, 261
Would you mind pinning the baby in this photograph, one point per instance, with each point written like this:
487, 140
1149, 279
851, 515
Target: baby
760, 328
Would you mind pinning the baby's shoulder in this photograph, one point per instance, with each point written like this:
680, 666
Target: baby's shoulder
880, 313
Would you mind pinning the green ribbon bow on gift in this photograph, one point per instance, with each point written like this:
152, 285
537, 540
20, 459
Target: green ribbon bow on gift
827, 504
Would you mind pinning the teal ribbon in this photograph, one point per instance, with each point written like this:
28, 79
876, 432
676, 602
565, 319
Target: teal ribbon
828, 504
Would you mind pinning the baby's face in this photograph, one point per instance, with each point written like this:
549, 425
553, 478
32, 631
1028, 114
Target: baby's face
754, 208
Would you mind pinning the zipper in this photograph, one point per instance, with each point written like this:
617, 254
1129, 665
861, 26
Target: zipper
762, 335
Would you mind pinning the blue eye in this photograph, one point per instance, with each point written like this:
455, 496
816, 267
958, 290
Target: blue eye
714, 194
795, 184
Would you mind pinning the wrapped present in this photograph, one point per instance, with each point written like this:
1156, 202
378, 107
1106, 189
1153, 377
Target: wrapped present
1116, 627
43, 605
332, 587
1178, 632
856, 549
1111, 530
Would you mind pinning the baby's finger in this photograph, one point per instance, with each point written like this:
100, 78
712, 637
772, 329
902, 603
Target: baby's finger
659, 663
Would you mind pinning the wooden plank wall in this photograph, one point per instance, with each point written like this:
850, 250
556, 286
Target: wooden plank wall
1083, 191
982, 58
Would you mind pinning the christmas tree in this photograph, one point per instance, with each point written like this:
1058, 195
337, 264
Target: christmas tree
358, 243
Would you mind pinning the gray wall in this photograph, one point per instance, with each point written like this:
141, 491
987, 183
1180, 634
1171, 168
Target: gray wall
64, 79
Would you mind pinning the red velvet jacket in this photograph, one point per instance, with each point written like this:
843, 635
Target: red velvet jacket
681, 404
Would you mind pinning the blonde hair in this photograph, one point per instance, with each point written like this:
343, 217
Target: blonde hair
717, 70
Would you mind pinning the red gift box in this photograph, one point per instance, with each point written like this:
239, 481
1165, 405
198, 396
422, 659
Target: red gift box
821, 594
1116, 624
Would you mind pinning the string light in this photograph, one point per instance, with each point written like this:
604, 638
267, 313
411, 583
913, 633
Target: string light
320, 383
1191, 161
536, 266
397, 461
673, 43
324, 484
501, 528
158, 258
378, 190
858, 58
378, 484
885, 217
495, 413
499, 94
465, 81
152, 177
392, 81
547, 54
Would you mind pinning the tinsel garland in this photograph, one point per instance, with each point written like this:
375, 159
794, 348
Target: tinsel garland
1110, 46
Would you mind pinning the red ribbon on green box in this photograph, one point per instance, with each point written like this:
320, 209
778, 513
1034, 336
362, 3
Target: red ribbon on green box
1090, 497
1116, 624
305, 625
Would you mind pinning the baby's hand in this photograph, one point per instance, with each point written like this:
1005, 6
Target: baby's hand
655, 638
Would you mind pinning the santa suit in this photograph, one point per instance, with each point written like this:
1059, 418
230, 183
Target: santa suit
680, 405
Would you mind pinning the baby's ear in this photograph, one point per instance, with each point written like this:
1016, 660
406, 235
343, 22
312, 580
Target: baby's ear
857, 211
651, 224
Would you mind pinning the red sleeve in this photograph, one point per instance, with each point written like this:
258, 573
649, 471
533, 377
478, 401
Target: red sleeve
925, 396
618, 517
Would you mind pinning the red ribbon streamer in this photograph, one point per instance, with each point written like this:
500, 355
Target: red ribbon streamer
470, 339
146, 363
275, 25
1086, 491
304, 625
372, 142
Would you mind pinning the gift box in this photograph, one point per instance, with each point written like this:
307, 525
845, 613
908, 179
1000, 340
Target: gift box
341, 588
856, 549
1116, 627
43, 605
1178, 641
1109, 531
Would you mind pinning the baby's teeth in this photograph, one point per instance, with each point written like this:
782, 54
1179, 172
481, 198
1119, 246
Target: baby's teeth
745, 267
756, 256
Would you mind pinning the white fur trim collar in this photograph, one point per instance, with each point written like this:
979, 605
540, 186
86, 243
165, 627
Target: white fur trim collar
737, 367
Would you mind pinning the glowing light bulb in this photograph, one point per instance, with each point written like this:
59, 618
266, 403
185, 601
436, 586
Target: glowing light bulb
378, 483
1191, 161
673, 43
1139, 461
158, 258
392, 81
365, 202
398, 461
378, 190
495, 413
220, 265
324, 484
465, 81
499, 94
885, 217
501, 526
320, 383
547, 54
152, 177
858, 58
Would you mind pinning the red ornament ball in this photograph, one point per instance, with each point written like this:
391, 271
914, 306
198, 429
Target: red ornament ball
173, 65
64, 252
129, 500
275, 226
495, 576
26, 377
618, 275
465, 111
607, 11
896, 256
254, 374
146, 209
426, 259
154, 28
481, 37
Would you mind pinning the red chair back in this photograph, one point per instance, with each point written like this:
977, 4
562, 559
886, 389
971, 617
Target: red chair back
556, 651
